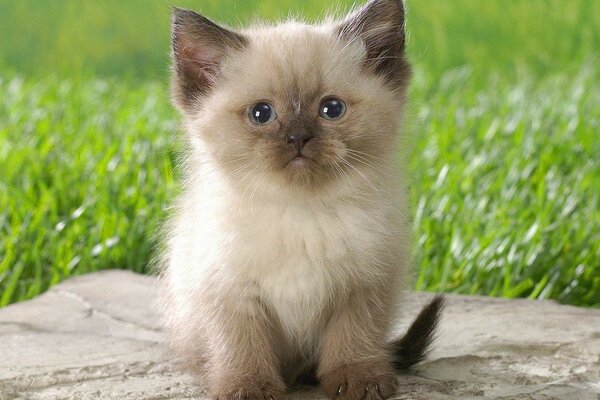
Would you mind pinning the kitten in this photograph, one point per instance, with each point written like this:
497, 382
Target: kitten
288, 251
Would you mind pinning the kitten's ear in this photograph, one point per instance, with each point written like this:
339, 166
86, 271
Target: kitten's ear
380, 26
199, 48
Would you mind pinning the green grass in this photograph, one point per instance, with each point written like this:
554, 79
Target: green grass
87, 169
504, 157
506, 186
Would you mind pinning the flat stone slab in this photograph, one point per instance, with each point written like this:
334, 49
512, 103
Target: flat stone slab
98, 337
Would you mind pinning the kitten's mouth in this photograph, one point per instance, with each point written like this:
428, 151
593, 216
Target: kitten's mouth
299, 161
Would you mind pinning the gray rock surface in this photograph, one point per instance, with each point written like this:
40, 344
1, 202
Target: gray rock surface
98, 337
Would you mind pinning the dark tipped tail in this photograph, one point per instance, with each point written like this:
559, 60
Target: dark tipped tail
412, 348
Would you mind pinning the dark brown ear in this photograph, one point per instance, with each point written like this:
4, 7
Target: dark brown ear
199, 48
380, 26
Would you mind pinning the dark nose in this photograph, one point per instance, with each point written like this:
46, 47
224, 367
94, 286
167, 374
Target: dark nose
298, 138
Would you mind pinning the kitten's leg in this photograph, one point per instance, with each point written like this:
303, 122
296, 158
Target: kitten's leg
244, 363
356, 362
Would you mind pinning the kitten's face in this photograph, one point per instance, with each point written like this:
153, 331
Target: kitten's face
294, 103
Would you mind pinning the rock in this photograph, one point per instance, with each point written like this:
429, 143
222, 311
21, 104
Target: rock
98, 337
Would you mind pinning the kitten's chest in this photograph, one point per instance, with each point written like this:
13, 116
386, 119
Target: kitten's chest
291, 242
303, 257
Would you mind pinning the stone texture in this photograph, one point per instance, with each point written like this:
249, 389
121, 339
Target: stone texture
98, 337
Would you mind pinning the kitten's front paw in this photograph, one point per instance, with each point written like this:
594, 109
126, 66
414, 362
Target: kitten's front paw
251, 391
360, 381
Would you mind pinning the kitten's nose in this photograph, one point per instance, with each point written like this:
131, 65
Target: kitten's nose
298, 138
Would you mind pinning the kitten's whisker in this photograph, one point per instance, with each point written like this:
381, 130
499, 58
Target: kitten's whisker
375, 168
257, 178
245, 157
362, 153
365, 178
384, 58
364, 161
241, 182
240, 169
341, 169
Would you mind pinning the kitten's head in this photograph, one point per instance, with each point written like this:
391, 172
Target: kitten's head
295, 105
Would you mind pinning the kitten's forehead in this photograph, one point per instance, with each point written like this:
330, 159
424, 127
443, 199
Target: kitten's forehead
299, 59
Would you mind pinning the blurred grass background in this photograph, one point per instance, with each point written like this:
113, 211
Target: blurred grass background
131, 38
504, 120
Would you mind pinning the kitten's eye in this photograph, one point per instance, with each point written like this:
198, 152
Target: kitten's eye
332, 108
262, 113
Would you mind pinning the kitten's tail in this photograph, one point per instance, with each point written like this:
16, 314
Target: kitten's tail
412, 348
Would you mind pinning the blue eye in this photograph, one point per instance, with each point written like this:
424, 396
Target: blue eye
262, 113
332, 108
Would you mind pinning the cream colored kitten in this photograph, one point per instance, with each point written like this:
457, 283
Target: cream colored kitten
287, 254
